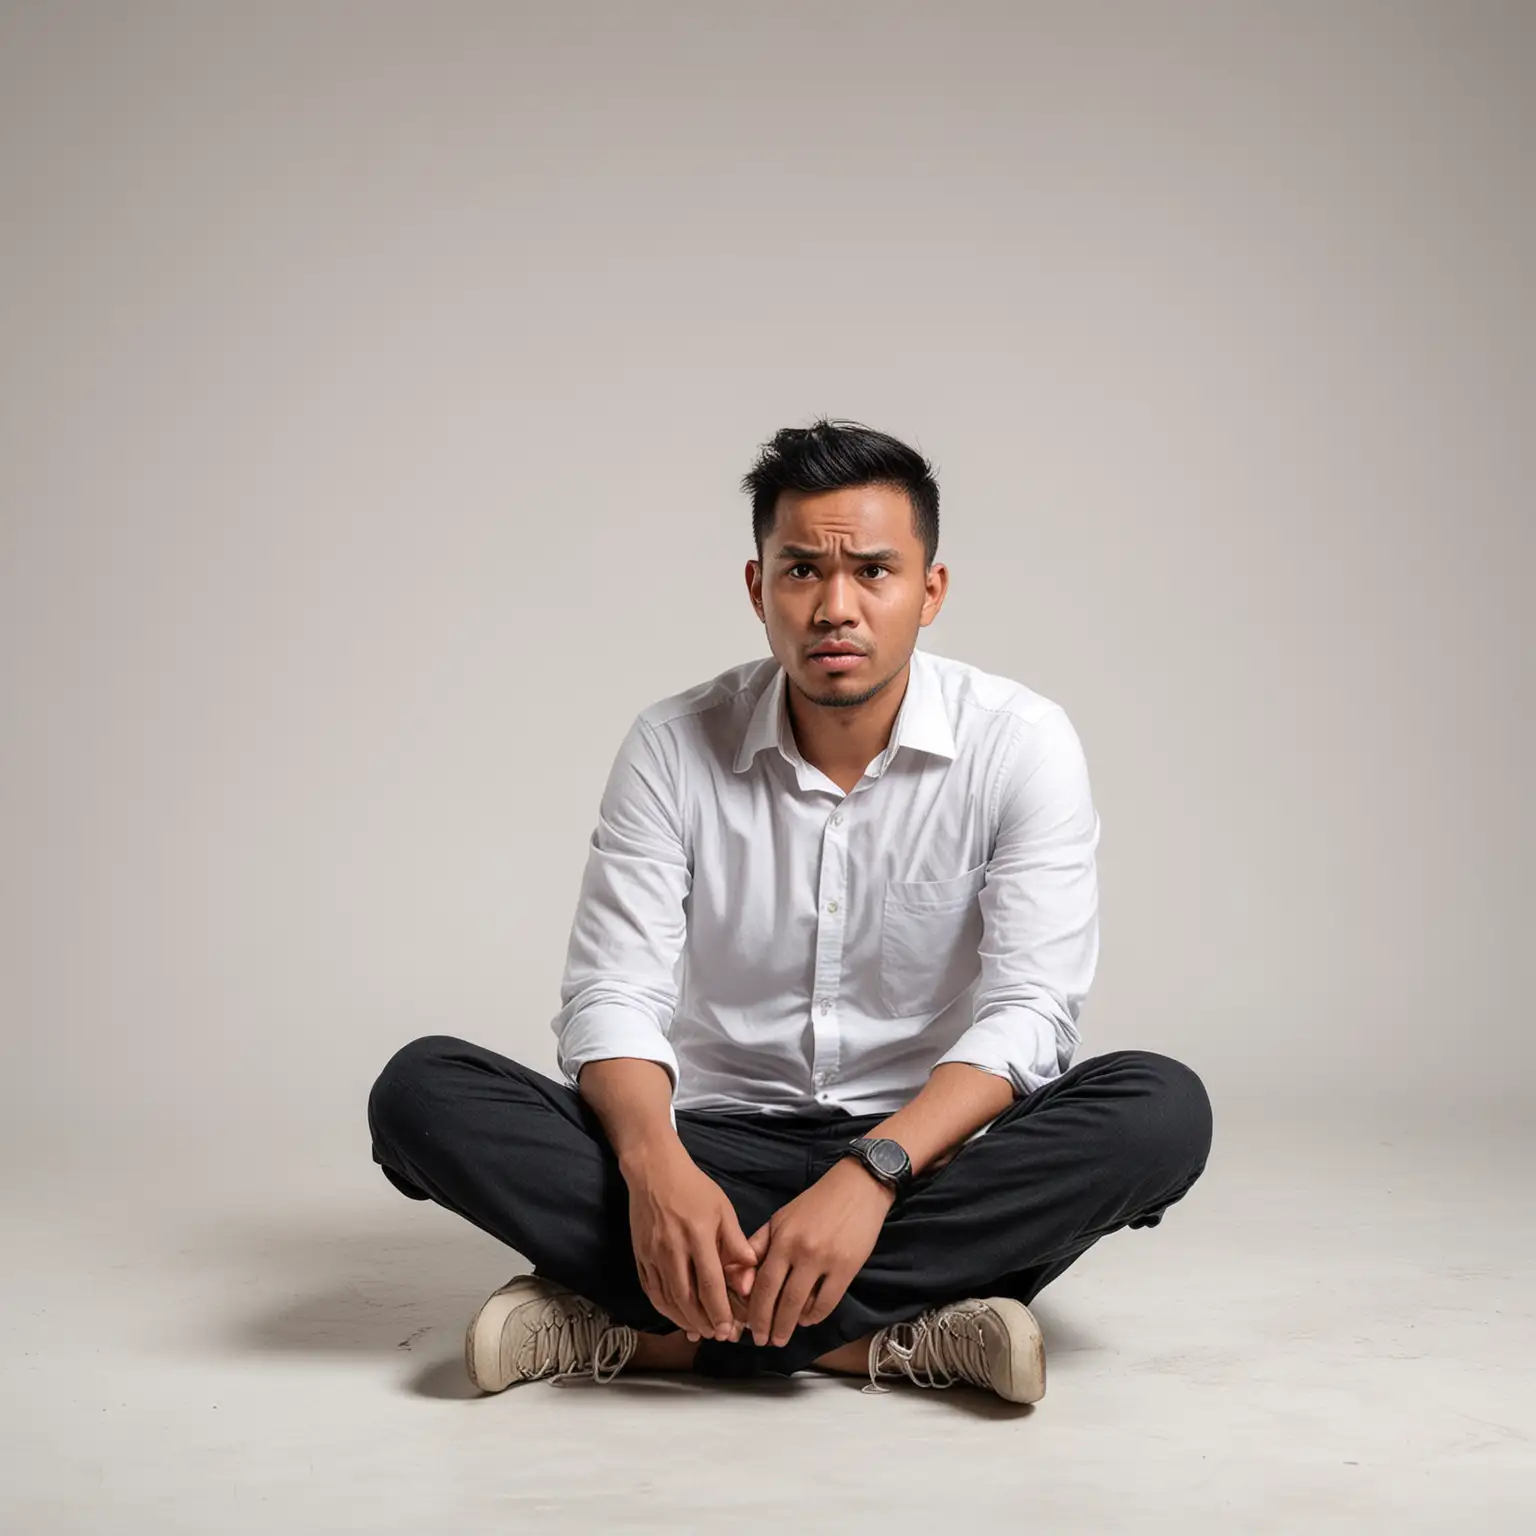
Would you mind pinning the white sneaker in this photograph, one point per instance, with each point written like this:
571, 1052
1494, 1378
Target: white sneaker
994, 1344
533, 1328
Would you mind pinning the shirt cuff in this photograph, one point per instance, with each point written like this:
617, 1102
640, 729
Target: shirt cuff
1018, 1044
606, 1030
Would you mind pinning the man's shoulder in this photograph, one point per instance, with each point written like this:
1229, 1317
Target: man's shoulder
735, 690
970, 691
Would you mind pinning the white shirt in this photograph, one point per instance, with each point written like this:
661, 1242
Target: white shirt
780, 946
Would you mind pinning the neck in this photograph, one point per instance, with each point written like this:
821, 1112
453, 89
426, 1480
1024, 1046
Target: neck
843, 741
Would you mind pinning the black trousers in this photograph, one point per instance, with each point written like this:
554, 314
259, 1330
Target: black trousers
1111, 1143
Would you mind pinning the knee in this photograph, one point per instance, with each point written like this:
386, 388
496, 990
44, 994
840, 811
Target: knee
410, 1080
424, 1059
1173, 1126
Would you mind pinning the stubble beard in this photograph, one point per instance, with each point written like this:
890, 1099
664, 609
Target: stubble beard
845, 700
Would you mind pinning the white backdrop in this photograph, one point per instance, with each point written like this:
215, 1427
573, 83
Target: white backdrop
374, 388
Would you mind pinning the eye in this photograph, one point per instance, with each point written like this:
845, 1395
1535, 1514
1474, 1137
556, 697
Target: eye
801, 566
885, 569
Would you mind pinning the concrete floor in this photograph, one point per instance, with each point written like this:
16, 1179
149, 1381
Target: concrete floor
1333, 1332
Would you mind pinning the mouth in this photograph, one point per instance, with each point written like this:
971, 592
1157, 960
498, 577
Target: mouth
836, 661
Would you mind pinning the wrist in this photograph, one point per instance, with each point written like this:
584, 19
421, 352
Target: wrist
855, 1174
642, 1160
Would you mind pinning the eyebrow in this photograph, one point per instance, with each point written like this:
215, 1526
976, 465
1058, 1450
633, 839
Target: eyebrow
800, 552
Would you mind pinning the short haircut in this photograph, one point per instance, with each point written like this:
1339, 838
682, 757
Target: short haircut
831, 456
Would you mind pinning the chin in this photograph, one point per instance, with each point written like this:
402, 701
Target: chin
834, 692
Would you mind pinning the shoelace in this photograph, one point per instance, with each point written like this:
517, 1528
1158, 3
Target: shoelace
574, 1340
953, 1346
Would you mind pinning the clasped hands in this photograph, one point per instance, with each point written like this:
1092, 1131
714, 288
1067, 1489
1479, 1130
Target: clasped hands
701, 1271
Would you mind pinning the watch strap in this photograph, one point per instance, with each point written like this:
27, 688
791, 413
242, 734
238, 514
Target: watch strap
861, 1147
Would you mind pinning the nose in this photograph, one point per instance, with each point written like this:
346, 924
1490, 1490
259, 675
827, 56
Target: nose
837, 604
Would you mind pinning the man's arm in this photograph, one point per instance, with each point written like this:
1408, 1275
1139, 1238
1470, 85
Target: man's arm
1040, 908
633, 1099
618, 996
956, 1101
1039, 951
618, 993
682, 1224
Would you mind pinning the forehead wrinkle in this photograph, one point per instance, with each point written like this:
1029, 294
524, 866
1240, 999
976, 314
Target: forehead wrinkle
822, 528
805, 552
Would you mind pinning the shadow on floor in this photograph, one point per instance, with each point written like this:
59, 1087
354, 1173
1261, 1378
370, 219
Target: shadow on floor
407, 1288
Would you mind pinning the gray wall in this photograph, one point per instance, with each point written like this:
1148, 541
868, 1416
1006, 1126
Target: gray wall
374, 385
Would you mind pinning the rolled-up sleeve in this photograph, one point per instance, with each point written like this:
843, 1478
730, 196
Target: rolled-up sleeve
619, 990
1040, 909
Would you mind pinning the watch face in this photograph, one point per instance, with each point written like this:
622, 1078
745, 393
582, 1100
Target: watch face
888, 1156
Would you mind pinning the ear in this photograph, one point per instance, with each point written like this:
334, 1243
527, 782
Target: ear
754, 575
936, 583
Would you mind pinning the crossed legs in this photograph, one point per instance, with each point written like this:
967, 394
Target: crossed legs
1111, 1143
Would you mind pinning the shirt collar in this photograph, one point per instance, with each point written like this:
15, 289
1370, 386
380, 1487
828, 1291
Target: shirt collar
922, 722
769, 725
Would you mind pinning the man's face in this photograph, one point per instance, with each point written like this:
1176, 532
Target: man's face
842, 590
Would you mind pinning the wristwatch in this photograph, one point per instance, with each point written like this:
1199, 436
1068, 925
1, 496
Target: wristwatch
884, 1158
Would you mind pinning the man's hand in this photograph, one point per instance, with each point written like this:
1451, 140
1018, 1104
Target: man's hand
685, 1232
811, 1248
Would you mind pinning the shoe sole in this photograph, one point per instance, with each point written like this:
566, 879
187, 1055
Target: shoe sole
483, 1338
1026, 1354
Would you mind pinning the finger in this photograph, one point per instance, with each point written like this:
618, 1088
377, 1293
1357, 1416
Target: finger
824, 1299
759, 1244
797, 1287
709, 1279
765, 1295
680, 1278
669, 1290
811, 1301
650, 1284
738, 1312
734, 1247
656, 1292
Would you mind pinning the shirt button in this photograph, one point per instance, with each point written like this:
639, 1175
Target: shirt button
837, 818
831, 906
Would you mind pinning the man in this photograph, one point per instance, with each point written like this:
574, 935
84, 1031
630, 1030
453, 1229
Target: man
838, 920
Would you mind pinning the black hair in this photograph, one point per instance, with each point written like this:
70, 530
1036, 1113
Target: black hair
833, 455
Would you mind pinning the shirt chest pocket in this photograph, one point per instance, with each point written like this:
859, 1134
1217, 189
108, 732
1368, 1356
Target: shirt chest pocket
930, 935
